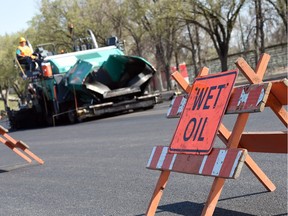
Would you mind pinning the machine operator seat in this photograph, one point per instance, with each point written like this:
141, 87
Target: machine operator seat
26, 63
28, 68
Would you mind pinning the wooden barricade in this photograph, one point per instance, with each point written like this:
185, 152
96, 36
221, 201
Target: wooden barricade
17, 145
239, 102
224, 163
243, 101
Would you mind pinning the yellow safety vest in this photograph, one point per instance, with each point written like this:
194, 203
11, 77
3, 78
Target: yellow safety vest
25, 51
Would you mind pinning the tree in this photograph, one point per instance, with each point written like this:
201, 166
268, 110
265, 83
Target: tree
93, 15
259, 41
281, 8
133, 29
195, 46
50, 26
8, 73
163, 32
217, 18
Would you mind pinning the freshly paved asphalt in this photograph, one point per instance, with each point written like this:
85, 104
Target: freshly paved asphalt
98, 168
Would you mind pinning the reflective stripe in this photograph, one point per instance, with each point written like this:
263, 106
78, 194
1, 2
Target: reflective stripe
162, 157
202, 164
172, 162
219, 162
236, 162
151, 157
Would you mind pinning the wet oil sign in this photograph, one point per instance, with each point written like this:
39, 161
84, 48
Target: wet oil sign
199, 122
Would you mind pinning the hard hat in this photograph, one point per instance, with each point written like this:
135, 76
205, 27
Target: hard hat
22, 39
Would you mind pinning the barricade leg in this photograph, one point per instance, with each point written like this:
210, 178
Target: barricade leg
32, 155
25, 148
15, 145
224, 135
160, 186
14, 149
20, 154
232, 141
278, 109
213, 197
235, 136
260, 175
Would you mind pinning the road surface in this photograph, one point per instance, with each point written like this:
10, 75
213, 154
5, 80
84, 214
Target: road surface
98, 168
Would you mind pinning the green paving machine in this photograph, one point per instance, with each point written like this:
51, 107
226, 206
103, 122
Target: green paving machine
88, 82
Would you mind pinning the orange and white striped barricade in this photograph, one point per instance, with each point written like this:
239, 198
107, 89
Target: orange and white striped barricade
176, 106
243, 100
17, 145
221, 162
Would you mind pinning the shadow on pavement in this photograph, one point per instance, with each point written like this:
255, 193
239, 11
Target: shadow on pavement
189, 208
8, 168
194, 209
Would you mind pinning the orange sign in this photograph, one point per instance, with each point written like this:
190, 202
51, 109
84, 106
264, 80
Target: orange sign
199, 122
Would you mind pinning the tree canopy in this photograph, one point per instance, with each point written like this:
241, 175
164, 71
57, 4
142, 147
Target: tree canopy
165, 32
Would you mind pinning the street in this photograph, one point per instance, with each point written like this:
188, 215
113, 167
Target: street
98, 168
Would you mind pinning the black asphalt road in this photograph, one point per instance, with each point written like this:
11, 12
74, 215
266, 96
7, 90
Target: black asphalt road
98, 168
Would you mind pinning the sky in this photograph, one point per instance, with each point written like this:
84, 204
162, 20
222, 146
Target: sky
14, 15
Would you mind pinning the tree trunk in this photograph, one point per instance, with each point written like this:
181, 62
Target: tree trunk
193, 50
167, 73
223, 55
163, 67
177, 60
6, 103
223, 60
4, 96
198, 47
159, 81
260, 36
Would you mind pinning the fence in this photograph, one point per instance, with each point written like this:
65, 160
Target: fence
277, 65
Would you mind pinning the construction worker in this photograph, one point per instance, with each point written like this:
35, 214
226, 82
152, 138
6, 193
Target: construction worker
25, 56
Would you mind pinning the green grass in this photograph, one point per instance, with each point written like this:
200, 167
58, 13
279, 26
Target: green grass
11, 104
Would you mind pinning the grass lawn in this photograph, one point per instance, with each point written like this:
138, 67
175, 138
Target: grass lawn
12, 105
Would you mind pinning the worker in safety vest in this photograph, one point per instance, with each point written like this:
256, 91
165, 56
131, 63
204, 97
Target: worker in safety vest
25, 56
